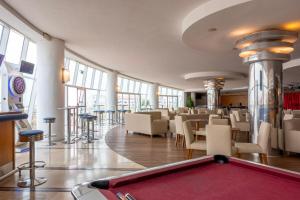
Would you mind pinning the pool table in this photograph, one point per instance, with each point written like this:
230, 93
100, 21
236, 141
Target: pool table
211, 177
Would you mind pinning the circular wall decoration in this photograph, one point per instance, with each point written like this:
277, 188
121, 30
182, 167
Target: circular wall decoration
17, 85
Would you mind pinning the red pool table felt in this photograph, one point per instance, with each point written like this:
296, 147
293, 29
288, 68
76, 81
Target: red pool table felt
207, 180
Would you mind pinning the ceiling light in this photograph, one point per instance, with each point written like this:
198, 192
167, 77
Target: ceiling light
246, 54
241, 31
290, 39
292, 26
244, 45
281, 50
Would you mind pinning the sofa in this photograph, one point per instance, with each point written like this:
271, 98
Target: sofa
149, 123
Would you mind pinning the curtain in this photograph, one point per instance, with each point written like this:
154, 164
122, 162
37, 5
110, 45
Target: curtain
292, 101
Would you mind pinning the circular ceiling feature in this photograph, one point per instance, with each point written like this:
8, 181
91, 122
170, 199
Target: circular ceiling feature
214, 75
266, 45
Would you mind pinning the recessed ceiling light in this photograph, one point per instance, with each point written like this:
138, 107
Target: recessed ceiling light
291, 26
212, 29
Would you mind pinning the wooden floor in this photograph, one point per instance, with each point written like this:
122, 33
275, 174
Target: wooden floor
115, 153
159, 150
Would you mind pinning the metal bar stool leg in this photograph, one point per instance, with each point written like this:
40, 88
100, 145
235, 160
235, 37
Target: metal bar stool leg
31, 160
49, 134
32, 181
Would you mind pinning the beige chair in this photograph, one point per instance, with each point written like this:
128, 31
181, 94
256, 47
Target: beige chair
243, 127
194, 111
220, 111
179, 130
262, 143
166, 114
213, 116
215, 121
218, 140
190, 142
202, 110
292, 135
149, 123
288, 116
241, 115
288, 111
296, 113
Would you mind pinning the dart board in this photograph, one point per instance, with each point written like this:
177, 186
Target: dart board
17, 85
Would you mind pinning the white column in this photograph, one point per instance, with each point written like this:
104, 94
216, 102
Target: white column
50, 89
154, 96
112, 78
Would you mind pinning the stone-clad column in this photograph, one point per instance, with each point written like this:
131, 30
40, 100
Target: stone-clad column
213, 88
265, 51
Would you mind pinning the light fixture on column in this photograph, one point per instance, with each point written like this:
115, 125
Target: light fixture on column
65, 75
265, 51
213, 88
266, 45
118, 88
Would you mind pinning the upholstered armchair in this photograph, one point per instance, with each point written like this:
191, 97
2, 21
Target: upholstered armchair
292, 135
262, 143
166, 114
213, 116
296, 113
288, 116
215, 121
149, 123
243, 127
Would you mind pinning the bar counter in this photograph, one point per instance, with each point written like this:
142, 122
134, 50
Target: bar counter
7, 141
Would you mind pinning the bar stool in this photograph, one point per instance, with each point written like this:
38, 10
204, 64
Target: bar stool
89, 119
49, 120
121, 114
82, 120
111, 116
99, 114
31, 136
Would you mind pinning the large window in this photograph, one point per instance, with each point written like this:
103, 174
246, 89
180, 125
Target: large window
14, 47
133, 94
31, 52
170, 98
1, 29
80, 75
91, 81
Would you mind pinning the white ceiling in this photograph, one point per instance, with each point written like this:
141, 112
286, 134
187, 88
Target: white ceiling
159, 40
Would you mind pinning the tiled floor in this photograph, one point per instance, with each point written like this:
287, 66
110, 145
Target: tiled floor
68, 165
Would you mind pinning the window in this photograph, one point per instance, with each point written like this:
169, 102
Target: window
137, 87
104, 81
27, 94
125, 85
72, 67
91, 100
31, 53
170, 98
131, 86
80, 74
1, 29
144, 88
14, 47
89, 77
97, 79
